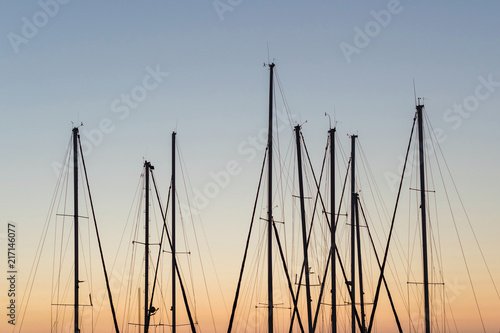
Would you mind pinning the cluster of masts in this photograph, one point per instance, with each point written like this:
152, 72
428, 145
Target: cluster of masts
358, 321
149, 309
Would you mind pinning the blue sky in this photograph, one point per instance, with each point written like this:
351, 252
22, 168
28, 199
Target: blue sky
90, 53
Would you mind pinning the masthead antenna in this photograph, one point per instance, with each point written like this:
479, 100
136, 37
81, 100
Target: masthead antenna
329, 119
268, 58
76, 126
414, 92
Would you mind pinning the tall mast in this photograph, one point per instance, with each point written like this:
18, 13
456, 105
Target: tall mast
270, 205
174, 263
304, 228
424, 215
147, 166
139, 309
353, 238
360, 266
75, 180
333, 229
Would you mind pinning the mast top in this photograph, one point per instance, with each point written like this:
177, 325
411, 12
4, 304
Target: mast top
329, 120
149, 165
420, 105
75, 128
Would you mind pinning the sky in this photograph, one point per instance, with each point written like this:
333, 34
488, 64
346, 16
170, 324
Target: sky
132, 72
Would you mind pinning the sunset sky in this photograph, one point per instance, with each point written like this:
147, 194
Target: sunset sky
132, 72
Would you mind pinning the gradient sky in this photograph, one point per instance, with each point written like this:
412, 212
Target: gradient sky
77, 65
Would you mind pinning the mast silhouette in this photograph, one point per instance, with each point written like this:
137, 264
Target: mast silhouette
360, 266
176, 276
75, 189
270, 205
424, 214
148, 167
333, 227
271, 228
353, 242
356, 243
174, 263
304, 228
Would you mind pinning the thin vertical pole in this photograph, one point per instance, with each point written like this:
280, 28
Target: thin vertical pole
174, 263
360, 267
75, 182
304, 228
147, 165
333, 227
139, 308
423, 210
353, 236
270, 205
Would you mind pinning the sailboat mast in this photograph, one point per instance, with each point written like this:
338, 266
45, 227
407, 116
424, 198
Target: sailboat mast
270, 205
139, 309
147, 166
75, 180
333, 229
424, 215
360, 267
173, 236
353, 238
304, 228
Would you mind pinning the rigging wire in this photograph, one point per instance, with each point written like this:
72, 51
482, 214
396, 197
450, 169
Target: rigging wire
235, 303
164, 231
435, 244
283, 97
183, 290
324, 209
462, 205
65, 169
187, 181
38, 253
161, 243
376, 195
134, 235
378, 262
99, 240
377, 293
460, 243
417, 293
